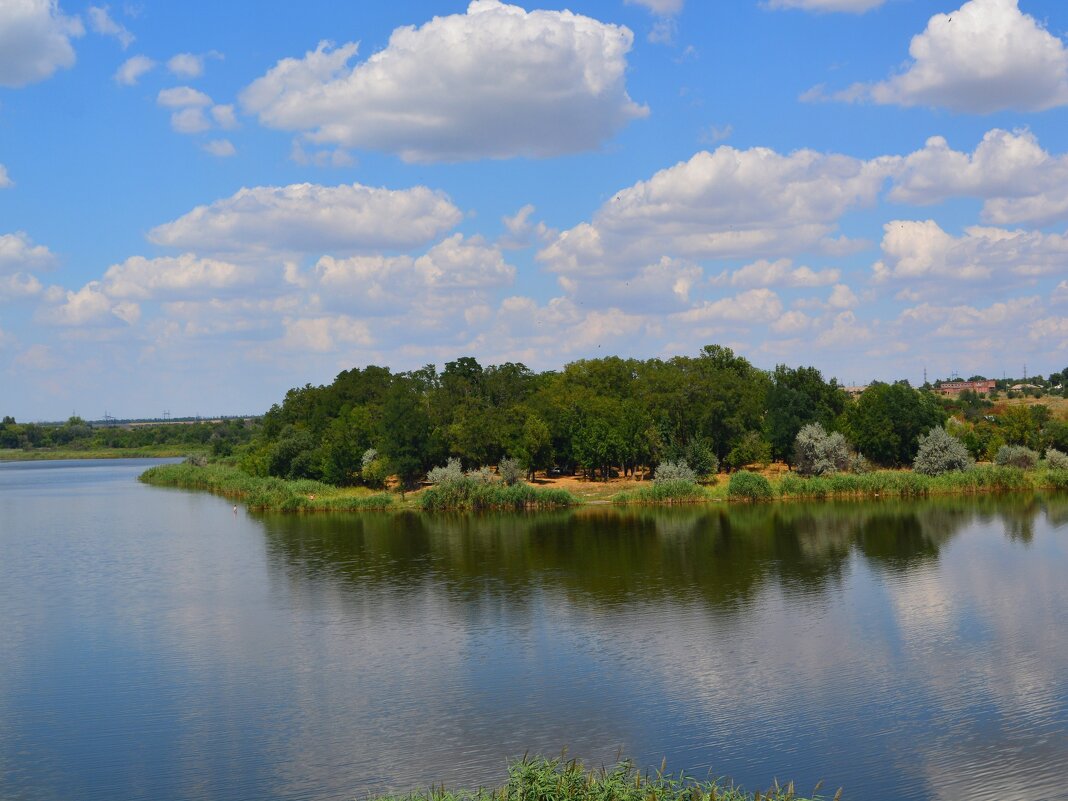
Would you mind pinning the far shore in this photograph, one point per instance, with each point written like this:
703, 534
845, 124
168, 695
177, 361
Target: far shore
276, 494
57, 454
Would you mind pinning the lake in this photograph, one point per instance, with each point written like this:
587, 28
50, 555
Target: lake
154, 644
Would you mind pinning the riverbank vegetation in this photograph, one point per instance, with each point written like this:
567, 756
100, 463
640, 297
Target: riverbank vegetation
78, 439
474, 434
556, 780
265, 493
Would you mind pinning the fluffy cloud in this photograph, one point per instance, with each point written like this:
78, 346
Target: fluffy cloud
186, 65
35, 41
922, 250
985, 56
850, 6
323, 334
90, 305
101, 22
223, 148
184, 276
558, 87
191, 108
754, 306
969, 321
5, 179
1019, 181
19, 285
725, 204
17, 252
131, 70
778, 273
378, 285
310, 218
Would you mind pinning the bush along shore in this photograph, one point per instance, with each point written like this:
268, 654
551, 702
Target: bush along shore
555, 780
303, 495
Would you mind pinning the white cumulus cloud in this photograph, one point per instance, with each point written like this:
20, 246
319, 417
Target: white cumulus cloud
101, 22
223, 148
1018, 180
922, 250
663, 8
18, 253
311, 218
5, 179
558, 87
185, 276
986, 56
35, 41
780, 272
186, 65
131, 70
725, 204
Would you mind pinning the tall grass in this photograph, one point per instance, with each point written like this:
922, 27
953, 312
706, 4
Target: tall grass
664, 492
269, 493
906, 484
469, 494
555, 780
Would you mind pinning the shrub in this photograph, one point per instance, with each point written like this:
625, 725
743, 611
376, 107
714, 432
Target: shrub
701, 458
674, 471
510, 471
860, 465
664, 491
449, 473
816, 452
480, 475
1056, 460
373, 470
940, 452
1016, 456
751, 449
749, 487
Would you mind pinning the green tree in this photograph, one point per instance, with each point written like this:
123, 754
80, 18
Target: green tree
797, 397
886, 421
404, 432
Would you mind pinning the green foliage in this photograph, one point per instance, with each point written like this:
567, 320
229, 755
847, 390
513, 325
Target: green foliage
796, 398
818, 453
510, 471
270, 493
1056, 460
749, 487
540, 779
752, 448
1016, 456
671, 472
886, 421
678, 490
471, 494
940, 452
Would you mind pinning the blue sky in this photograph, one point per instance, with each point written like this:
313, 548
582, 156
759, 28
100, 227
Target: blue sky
204, 204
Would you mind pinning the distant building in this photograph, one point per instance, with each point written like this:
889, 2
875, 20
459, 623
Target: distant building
957, 387
854, 391
1022, 387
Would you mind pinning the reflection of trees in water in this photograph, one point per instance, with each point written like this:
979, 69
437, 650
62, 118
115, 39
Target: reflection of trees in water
721, 554
1057, 509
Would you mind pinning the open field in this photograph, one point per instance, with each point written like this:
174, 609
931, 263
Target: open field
44, 454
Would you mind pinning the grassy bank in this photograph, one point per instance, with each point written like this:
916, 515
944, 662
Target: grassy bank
150, 452
275, 494
877, 484
278, 494
555, 780
474, 495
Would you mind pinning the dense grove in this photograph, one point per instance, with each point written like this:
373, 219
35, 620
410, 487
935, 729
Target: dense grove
606, 416
220, 438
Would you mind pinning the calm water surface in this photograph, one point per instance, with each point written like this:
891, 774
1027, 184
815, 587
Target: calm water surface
156, 645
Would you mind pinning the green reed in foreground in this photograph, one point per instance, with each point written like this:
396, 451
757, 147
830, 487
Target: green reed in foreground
658, 492
556, 780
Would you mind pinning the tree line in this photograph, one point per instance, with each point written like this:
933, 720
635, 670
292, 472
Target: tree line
598, 417
76, 434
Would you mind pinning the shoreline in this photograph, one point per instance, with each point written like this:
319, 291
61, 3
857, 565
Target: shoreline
306, 496
57, 455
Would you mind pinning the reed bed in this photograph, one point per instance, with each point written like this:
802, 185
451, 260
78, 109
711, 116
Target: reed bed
275, 494
908, 484
664, 492
471, 494
556, 780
